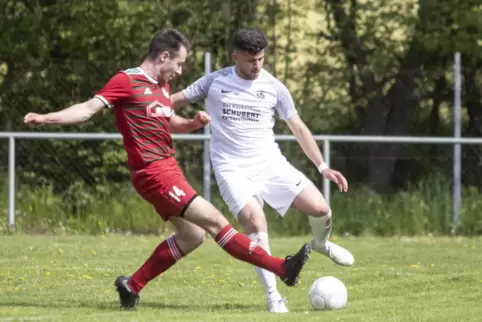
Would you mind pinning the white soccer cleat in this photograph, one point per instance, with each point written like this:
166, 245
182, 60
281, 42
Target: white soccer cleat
336, 253
277, 306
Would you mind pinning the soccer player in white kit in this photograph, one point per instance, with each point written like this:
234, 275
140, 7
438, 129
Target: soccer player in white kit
248, 165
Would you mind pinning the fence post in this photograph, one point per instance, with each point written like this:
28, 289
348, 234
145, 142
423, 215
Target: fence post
326, 182
206, 159
11, 183
456, 198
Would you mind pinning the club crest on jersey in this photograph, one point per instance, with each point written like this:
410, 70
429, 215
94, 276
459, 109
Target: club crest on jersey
156, 109
260, 94
164, 91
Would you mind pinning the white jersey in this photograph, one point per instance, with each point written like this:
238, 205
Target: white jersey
242, 115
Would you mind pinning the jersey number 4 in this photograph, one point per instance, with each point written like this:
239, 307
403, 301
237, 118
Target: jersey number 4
176, 193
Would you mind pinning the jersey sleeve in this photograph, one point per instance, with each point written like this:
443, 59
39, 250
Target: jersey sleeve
285, 105
200, 88
116, 90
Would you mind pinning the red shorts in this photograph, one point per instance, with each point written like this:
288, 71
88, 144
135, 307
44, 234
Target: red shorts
162, 183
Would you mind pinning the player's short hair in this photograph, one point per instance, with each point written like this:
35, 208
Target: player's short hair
250, 40
170, 40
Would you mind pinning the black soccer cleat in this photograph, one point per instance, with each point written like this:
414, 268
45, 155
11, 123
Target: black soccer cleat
128, 299
294, 264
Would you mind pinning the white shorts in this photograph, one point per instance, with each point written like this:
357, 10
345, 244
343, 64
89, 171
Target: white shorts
276, 182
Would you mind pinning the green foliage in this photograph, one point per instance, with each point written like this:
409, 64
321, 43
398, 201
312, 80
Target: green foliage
80, 45
424, 208
373, 67
387, 67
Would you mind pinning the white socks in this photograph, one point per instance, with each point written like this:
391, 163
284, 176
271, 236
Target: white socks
321, 228
267, 278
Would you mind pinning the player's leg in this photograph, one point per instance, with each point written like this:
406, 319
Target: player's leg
311, 202
204, 214
253, 220
240, 194
187, 238
173, 196
156, 187
287, 187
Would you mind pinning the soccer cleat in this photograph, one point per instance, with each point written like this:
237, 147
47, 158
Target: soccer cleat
277, 306
294, 264
336, 253
128, 299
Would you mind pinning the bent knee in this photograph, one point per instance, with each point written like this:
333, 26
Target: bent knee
198, 239
253, 224
321, 209
252, 217
215, 222
193, 238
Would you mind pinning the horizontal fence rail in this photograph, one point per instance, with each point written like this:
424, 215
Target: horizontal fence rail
279, 137
327, 140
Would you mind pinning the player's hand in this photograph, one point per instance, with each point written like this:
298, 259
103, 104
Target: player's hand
337, 178
34, 119
202, 118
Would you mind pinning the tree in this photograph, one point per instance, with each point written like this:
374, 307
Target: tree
75, 49
394, 57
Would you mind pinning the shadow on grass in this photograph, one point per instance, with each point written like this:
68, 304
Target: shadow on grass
114, 306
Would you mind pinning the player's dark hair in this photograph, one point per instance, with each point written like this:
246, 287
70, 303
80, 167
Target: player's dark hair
250, 40
170, 40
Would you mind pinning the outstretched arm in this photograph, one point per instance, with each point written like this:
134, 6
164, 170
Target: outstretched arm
306, 140
75, 114
180, 124
115, 90
178, 100
287, 111
194, 92
309, 146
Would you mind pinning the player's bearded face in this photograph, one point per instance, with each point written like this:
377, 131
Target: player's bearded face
171, 65
249, 65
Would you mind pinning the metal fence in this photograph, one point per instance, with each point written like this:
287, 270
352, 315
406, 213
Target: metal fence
327, 140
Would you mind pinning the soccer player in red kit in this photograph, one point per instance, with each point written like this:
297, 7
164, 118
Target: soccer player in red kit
140, 98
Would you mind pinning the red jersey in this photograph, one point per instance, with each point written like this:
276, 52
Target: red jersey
142, 112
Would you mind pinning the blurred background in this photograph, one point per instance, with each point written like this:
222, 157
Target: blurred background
371, 68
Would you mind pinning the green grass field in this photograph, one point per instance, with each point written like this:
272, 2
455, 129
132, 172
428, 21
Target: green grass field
394, 279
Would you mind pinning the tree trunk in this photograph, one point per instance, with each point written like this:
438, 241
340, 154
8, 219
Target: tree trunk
401, 100
438, 95
384, 114
473, 101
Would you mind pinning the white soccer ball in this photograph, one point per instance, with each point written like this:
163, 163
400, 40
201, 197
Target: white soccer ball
328, 293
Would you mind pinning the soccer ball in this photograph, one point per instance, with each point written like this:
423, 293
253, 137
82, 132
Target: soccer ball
328, 293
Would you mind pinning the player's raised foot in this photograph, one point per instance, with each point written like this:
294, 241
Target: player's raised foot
336, 253
276, 306
294, 264
128, 299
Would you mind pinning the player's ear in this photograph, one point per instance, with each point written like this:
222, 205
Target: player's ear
234, 57
164, 56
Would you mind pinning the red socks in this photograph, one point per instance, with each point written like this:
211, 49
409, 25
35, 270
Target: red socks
242, 248
237, 245
165, 255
